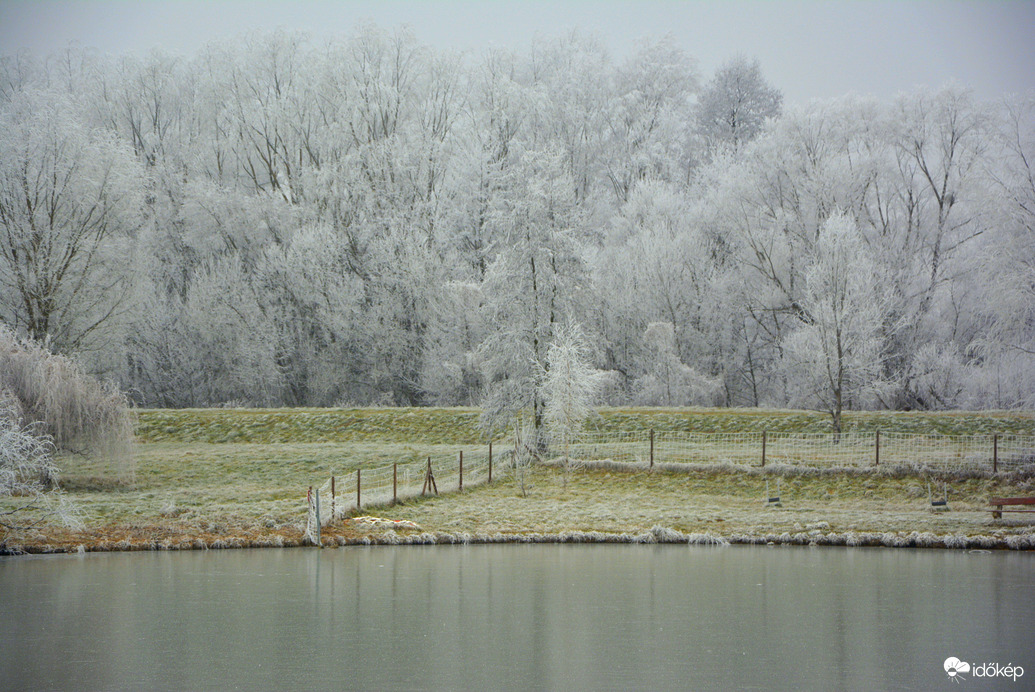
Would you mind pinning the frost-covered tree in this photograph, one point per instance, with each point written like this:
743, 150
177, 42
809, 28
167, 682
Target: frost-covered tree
388, 205
833, 359
70, 206
1006, 346
647, 117
569, 388
764, 208
232, 336
734, 106
929, 236
666, 380
532, 287
571, 73
313, 305
451, 373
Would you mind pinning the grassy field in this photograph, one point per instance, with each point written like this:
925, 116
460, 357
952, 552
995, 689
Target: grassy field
229, 478
460, 425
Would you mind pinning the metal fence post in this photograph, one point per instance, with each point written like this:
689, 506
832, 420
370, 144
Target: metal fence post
995, 453
358, 483
461, 488
490, 462
876, 459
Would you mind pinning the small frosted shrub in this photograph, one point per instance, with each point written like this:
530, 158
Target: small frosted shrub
26, 457
664, 534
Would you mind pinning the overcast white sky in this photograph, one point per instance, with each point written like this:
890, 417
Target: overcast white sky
809, 49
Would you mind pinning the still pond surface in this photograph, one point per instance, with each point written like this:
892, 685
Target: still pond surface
528, 617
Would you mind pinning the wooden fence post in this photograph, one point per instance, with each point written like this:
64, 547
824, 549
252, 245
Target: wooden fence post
319, 540
332, 497
490, 462
395, 483
461, 488
763, 448
995, 453
429, 481
357, 489
652, 449
876, 459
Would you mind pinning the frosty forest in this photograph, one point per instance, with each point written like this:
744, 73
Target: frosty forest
276, 222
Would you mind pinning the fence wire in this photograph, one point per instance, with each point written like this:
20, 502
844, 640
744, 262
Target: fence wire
808, 449
355, 490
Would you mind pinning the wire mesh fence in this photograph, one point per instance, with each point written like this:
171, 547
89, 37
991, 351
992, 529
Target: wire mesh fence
992, 452
452, 471
441, 472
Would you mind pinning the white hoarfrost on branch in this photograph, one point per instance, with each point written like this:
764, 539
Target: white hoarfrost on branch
374, 220
27, 476
833, 357
570, 388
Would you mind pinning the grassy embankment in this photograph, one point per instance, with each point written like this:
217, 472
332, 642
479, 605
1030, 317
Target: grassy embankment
229, 478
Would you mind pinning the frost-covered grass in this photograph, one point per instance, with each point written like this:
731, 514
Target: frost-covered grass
248, 480
196, 488
722, 503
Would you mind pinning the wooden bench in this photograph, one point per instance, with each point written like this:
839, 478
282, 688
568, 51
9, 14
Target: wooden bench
999, 502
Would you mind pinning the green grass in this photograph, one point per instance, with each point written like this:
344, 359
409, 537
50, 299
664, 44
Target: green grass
713, 420
308, 425
460, 425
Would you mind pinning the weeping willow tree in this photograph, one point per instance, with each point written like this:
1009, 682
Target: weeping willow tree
51, 395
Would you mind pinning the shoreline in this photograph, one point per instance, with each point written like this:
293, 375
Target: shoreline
232, 495
659, 535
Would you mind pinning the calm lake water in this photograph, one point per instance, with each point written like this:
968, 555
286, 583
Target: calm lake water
544, 617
